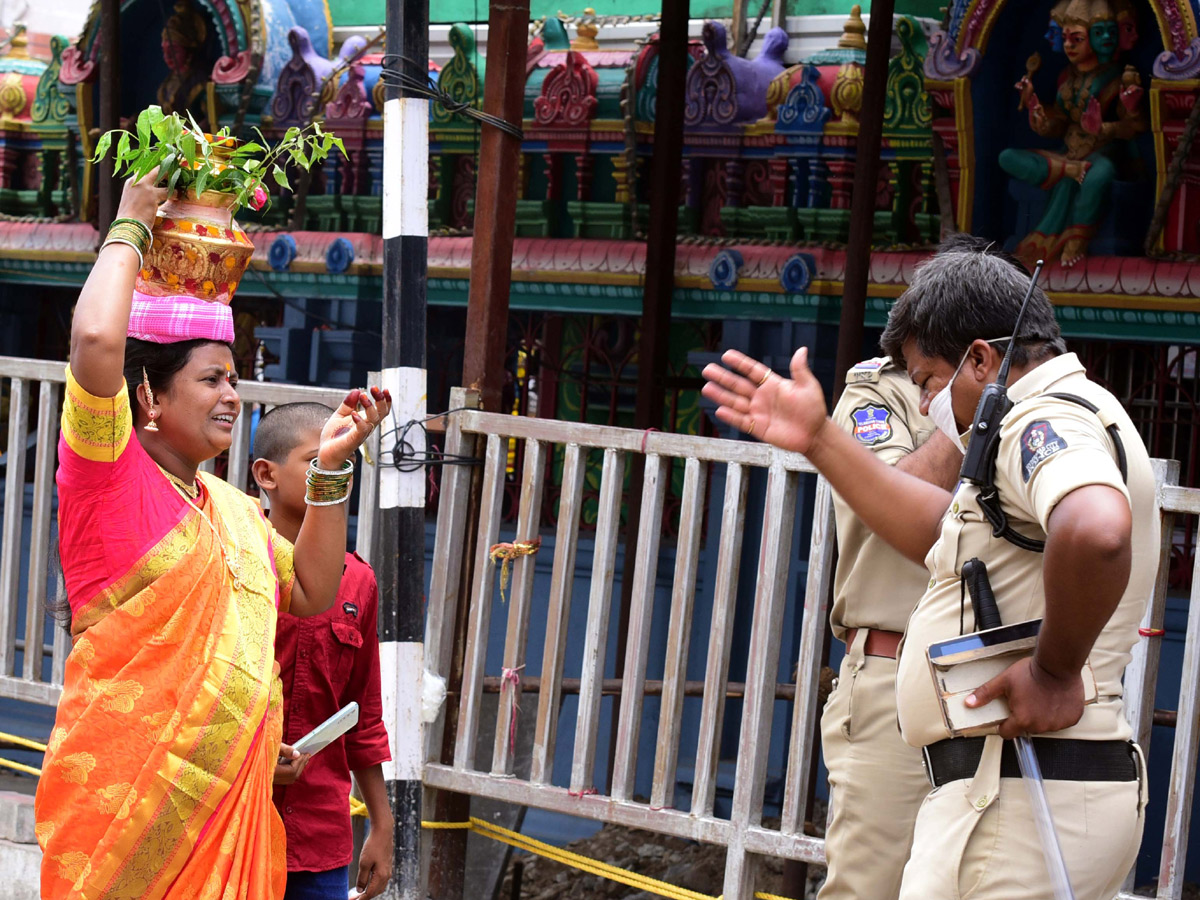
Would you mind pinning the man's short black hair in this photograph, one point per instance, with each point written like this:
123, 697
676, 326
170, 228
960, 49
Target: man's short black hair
279, 431
970, 289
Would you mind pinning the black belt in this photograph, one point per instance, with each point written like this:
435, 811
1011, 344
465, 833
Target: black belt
1061, 759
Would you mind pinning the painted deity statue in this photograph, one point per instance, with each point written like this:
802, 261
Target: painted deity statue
1097, 109
182, 44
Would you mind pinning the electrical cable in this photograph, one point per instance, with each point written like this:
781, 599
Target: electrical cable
403, 456
753, 33
395, 77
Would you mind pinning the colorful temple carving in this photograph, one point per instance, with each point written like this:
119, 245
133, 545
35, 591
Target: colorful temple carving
1070, 165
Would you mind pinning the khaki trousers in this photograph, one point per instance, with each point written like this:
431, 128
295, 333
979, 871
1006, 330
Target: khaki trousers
876, 781
976, 839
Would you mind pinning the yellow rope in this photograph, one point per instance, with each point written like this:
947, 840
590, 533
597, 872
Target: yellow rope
18, 741
21, 767
580, 862
21, 741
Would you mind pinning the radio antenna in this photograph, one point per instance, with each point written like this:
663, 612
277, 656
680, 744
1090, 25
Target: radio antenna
1006, 363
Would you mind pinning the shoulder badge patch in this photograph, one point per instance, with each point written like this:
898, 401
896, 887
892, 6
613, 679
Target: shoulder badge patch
865, 372
872, 424
1038, 443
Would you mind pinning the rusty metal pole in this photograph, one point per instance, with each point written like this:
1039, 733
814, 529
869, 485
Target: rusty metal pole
496, 203
486, 343
862, 201
110, 106
665, 169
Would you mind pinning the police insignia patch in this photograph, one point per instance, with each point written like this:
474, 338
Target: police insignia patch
1038, 443
872, 424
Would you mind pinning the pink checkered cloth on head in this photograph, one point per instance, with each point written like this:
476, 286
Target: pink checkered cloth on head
168, 320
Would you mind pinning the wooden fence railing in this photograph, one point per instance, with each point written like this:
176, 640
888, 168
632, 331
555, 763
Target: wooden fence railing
463, 572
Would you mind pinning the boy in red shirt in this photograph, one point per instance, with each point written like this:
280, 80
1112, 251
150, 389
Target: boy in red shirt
326, 661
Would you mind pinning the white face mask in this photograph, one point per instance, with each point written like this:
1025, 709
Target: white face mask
941, 407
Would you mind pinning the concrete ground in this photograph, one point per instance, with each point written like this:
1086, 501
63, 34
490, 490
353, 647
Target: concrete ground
20, 858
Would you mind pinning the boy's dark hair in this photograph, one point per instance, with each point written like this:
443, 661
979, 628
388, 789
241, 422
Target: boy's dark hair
160, 361
970, 289
280, 430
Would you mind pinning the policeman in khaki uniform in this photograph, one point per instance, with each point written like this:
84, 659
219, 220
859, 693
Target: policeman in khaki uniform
1073, 477
876, 781
1049, 448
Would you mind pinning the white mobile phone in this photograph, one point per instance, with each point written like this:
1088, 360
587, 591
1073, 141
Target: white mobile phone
329, 730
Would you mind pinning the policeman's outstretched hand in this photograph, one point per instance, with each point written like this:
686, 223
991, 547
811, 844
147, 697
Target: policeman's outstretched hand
1038, 701
788, 413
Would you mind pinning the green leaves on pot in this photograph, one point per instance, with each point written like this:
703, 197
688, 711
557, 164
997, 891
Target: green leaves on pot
188, 159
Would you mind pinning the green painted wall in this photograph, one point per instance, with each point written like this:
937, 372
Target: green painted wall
371, 12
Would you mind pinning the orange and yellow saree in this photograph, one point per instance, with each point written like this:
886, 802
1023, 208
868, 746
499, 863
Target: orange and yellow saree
157, 780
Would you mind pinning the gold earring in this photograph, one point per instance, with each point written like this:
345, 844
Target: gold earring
151, 425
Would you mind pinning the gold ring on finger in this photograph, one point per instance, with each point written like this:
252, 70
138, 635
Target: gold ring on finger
750, 430
767, 374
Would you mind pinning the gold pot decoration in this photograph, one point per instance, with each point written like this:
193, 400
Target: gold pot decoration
199, 249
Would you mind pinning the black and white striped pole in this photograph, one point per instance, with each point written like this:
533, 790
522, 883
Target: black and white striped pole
401, 547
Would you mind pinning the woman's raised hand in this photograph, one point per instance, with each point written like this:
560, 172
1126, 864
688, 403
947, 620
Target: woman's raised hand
359, 414
140, 199
788, 413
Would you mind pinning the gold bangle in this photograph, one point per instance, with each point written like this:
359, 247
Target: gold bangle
132, 229
347, 468
325, 487
135, 223
126, 234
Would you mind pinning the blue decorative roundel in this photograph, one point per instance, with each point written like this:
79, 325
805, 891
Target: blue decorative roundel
339, 255
282, 252
723, 270
797, 273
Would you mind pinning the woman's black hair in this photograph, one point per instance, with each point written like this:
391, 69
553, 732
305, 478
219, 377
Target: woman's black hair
57, 607
161, 363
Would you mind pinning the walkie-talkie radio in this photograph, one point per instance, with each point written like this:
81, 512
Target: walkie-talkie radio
979, 461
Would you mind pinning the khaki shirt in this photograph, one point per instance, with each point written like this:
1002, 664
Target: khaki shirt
875, 586
1048, 448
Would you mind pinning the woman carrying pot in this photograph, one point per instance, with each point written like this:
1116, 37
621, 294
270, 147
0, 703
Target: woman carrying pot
157, 780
